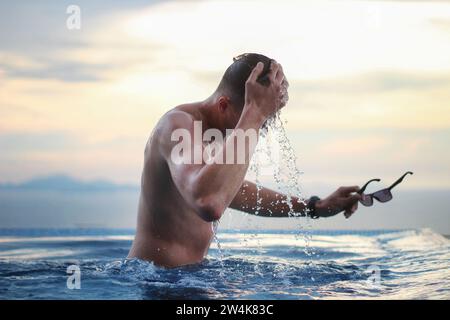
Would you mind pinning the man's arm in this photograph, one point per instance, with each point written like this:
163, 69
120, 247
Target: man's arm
271, 203
275, 204
210, 187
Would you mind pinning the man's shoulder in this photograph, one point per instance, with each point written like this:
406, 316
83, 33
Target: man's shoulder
171, 121
176, 118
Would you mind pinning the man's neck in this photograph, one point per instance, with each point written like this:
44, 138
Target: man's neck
208, 110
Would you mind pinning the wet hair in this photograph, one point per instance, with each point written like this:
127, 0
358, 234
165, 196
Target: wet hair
234, 78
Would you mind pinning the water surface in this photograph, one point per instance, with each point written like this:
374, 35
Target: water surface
411, 264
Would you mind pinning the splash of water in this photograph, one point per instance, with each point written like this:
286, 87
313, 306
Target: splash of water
215, 226
273, 142
275, 147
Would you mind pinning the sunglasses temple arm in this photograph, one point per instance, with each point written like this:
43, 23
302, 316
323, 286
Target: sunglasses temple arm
399, 180
365, 186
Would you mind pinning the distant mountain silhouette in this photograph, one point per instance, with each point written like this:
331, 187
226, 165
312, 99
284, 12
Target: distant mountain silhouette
62, 182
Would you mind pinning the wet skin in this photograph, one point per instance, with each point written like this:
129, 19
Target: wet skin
179, 202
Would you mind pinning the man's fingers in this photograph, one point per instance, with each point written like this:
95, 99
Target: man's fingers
280, 75
349, 201
344, 191
274, 67
347, 213
256, 72
351, 210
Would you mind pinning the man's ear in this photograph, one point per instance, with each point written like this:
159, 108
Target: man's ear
224, 103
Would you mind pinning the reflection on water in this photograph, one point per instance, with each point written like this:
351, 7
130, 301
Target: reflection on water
271, 265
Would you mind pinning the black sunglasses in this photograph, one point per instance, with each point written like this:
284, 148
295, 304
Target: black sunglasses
383, 195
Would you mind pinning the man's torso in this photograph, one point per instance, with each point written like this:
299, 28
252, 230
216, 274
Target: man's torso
169, 232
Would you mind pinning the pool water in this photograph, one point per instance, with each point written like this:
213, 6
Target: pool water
408, 264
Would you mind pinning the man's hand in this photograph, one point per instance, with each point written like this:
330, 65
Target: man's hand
260, 100
343, 199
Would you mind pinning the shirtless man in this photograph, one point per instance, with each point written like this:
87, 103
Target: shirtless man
179, 201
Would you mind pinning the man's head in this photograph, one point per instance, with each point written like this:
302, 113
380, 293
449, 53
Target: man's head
234, 78
231, 89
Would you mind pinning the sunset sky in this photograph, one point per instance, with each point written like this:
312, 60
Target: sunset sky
369, 83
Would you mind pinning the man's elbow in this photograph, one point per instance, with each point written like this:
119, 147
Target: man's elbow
209, 209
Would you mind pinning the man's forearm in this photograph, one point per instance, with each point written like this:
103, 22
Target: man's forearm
270, 203
226, 179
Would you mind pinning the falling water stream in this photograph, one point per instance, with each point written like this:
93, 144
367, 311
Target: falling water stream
281, 161
275, 157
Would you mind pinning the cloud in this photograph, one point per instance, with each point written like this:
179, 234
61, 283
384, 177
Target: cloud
37, 43
442, 24
340, 156
376, 81
25, 155
58, 70
359, 146
36, 27
312, 39
14, 143
376, 99
85, 102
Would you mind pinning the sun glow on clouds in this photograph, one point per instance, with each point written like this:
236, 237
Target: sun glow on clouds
315, 39
356, 68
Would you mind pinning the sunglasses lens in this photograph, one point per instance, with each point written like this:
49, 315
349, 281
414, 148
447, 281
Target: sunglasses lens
366, 200
383, 195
